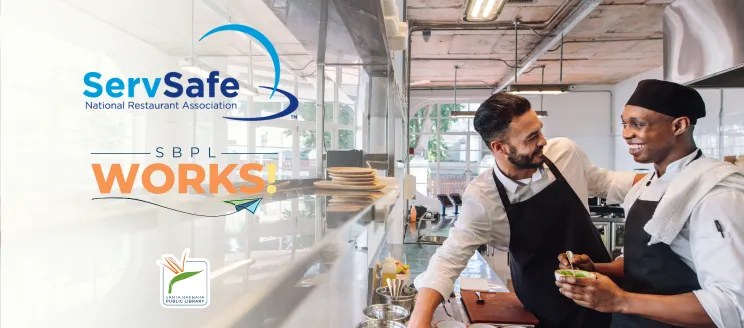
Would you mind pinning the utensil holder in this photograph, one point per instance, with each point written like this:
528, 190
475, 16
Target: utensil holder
406, 300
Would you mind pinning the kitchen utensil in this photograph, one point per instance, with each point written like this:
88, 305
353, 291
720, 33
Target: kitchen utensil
386, 312
380, 324
569, 255
405, 299
389, 283
480, 300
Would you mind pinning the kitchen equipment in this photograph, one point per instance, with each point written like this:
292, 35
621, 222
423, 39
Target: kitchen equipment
458, 201
604, 231
446, 203
500, 308
618, 237
386, 312
380, 324
405, 299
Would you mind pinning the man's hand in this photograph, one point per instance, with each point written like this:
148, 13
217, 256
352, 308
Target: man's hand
600, 294
580, 261
427, 301
417, 321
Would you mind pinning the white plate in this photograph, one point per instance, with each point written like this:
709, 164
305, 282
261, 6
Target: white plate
451, 324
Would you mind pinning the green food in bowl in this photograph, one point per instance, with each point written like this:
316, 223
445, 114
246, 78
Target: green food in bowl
575, 273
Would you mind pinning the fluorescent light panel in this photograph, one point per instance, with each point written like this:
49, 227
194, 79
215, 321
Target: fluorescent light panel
484, 10
538, 89
420, 82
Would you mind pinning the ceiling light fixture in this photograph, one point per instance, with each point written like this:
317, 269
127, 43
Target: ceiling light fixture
195, 67
539, 89
484, 10
420, 82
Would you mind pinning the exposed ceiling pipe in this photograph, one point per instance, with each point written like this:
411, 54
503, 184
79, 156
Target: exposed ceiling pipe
227, 16
455, 27
583, 10
603, 41
562, 8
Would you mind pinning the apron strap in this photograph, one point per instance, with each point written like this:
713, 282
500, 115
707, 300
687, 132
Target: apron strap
500, 187
553, 169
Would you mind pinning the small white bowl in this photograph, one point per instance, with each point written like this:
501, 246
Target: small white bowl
558, 274
450, 324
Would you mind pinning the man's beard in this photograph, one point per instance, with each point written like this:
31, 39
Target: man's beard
524, 161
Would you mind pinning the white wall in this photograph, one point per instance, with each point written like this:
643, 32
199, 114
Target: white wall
706, 131
583, 116
622, 161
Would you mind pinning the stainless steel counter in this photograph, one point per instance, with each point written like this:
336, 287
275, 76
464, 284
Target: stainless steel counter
263, 267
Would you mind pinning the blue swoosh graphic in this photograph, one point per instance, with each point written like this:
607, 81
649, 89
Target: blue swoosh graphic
293, 104
260, 38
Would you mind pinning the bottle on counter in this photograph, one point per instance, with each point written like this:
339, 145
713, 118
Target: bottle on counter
389, 270
413, 213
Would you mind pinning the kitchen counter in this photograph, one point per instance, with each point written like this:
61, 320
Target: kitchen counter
263, 267
418, 257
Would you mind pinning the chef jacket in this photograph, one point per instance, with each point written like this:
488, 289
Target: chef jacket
482, 218
718, 261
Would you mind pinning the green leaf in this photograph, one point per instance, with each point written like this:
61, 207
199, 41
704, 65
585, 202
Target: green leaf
179, 277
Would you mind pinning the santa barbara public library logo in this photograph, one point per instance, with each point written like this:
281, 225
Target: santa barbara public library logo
185, 283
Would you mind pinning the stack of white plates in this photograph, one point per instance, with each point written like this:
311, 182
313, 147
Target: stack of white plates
351, 178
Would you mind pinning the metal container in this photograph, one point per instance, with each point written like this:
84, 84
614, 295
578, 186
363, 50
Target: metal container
386, 312
380, 324
405, 300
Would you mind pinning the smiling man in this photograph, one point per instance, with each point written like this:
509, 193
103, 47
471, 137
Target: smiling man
683, 262
533, 203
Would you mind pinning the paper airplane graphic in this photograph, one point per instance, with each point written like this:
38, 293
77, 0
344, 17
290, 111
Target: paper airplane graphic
250, 204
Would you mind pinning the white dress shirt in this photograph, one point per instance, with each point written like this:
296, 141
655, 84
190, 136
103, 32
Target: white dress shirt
482, 218
717, 260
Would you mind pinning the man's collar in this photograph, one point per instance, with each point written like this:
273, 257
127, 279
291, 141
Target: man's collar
675, 167
512, 185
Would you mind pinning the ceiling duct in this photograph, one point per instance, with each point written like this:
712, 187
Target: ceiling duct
704, 43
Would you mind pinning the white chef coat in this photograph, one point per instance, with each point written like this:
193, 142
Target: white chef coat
482, 218
718, 261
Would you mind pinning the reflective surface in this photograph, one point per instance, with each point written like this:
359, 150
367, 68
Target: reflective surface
703, 38
263, 266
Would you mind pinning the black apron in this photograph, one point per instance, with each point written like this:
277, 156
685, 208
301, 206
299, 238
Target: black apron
654, 269
550, 223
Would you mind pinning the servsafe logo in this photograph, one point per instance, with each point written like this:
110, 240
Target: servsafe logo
115, 87
185, 283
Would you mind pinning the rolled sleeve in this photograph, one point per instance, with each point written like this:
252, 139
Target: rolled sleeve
719, 260
470, 231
